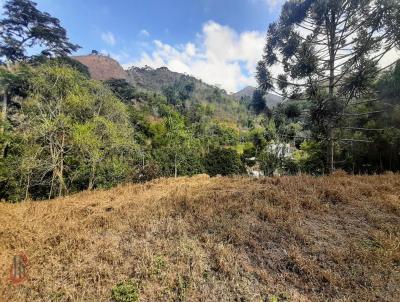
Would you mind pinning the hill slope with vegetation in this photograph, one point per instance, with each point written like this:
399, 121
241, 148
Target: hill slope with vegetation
246, 94
181, 90
301, 238
185, 90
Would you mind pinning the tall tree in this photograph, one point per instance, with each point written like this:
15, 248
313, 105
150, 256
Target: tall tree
72, 134
329, 50
23, 27
258, 102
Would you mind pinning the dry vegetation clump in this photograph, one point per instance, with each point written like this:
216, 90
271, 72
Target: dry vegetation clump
333, 238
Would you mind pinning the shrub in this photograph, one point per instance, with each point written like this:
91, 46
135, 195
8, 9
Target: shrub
148, 172
125, 292
223, 162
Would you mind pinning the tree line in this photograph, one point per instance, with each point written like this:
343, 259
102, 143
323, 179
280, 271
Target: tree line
62, 132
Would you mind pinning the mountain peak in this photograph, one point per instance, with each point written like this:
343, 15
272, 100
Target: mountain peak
247, 93
102, 67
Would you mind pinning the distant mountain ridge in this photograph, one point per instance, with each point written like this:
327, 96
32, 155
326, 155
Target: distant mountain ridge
228, 107
102, 67
247, 93
225, 106
164, 81
155, 79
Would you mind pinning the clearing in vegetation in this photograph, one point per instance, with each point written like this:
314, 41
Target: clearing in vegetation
301, 238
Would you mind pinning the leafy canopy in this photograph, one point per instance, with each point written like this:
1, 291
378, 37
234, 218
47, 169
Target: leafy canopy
25, 26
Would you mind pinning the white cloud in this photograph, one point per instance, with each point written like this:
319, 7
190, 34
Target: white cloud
272, 5
390, 57
144, 33
2, 2
109, 38
221, 56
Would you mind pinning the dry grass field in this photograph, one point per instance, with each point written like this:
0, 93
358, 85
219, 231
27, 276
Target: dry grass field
301, 238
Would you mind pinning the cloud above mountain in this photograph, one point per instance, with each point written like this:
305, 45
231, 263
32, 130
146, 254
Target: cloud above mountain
219, 55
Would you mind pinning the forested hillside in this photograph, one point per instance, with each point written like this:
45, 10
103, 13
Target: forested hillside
68, 126
185, 90
150, 185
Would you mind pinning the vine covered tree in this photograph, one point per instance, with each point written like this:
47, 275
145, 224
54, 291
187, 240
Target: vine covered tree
330, 52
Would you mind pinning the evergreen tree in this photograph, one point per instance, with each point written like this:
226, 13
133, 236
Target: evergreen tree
330, 52
258, 102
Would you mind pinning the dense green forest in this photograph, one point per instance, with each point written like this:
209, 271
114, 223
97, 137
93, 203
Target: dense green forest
62, 132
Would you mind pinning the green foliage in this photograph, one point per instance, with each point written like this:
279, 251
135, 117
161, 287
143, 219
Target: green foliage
223, 162
179, 92
177, 150
25, 26
70, 62
122, 89
125, 292
269, 162
159, 263
63, 60
257, 137
258, 102
292, 111
65, 133
70, 138
222, 134
326, 63
311, 157
389, 84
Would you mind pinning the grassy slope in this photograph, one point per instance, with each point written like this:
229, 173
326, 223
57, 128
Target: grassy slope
220, 239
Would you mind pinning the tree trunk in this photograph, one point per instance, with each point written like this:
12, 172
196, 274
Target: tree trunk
91, 178
175, 167
3, 121
51, 184
332, 54
4, 105
62, 187
28, 183
4, 110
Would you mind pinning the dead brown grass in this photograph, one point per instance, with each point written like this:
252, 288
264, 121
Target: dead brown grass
334, 238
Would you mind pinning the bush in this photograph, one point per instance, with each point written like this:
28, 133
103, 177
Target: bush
146, 173
223, 162
125, 292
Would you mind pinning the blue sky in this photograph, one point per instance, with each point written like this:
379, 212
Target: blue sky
219, 41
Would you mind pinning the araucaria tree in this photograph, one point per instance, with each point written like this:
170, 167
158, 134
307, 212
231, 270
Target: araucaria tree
330, 52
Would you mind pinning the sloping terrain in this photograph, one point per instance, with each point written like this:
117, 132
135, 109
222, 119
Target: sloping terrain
247, 93
225, 107
102, 67
151, 79
301, 238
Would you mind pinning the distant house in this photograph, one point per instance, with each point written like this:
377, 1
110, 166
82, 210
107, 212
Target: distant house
281, 150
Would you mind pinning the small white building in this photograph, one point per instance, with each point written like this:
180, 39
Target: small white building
281, 150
